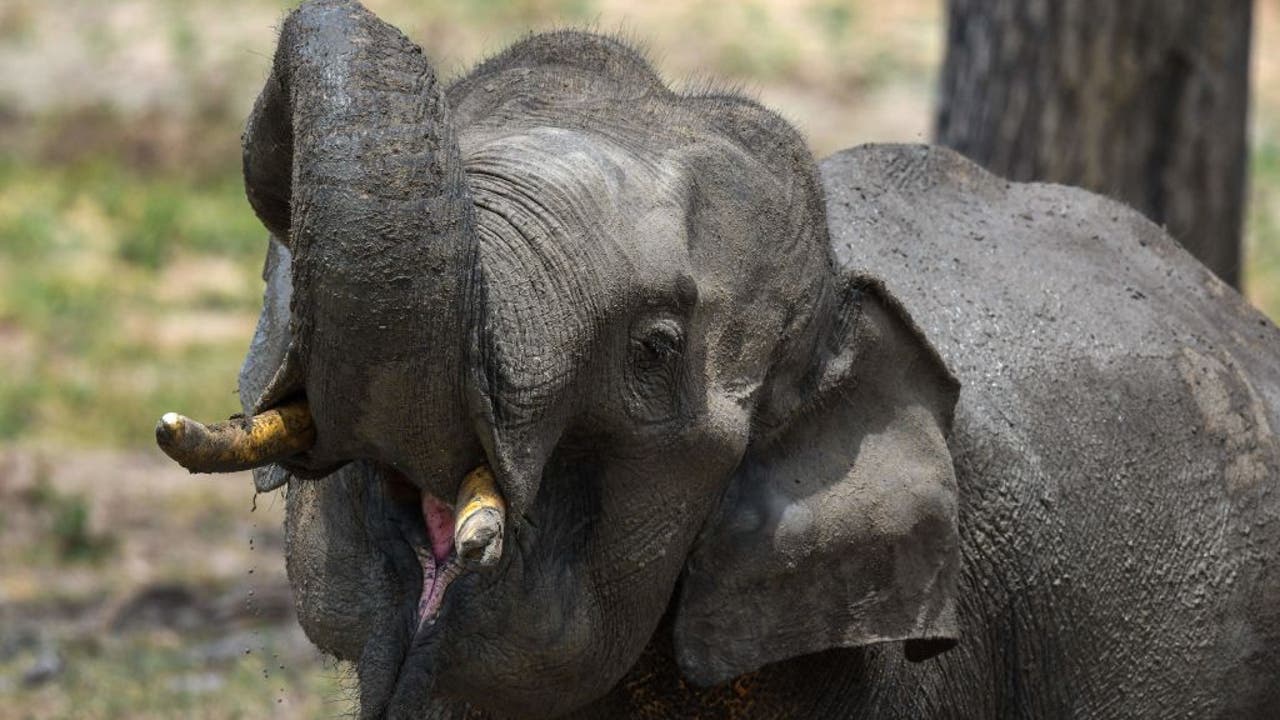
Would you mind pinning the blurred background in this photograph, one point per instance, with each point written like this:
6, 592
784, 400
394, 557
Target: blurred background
129, 286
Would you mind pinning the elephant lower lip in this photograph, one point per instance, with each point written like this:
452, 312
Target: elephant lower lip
436, 578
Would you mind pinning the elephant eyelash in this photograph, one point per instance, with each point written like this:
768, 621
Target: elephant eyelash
660, 345
656, 370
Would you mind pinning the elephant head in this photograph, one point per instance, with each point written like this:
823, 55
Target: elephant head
622, 301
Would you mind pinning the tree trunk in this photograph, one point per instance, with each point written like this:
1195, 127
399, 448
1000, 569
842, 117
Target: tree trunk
1142, 100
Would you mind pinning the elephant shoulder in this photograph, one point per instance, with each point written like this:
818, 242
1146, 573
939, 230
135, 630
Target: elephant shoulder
904, 169
1030, 276
1051, 304
1109, 381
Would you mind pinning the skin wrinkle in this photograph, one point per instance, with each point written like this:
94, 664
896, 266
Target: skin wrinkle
555, 246
570, 143
535, 224
539, 366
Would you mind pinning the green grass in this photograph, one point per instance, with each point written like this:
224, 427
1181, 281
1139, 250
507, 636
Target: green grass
87, 261
1261, 276
68, 538
161, 674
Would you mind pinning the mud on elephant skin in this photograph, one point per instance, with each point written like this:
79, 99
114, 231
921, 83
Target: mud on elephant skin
582, 409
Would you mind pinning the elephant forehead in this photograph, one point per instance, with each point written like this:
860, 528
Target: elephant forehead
575, 232
581, 231
613, 213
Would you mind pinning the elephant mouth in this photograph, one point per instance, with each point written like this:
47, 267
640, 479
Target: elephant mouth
447, 539
426, 527
445, 546
432, 546
439, 563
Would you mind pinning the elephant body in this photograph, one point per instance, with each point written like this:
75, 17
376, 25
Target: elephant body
886, 437
1119, 473
1114, 444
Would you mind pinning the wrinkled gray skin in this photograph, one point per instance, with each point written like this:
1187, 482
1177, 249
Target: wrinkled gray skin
741, 484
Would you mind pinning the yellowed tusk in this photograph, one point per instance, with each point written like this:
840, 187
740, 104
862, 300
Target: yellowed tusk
481, 515
239, 443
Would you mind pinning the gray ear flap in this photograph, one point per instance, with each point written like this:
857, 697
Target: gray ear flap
839, 529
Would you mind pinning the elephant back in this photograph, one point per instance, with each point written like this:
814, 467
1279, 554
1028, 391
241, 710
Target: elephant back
1115, 439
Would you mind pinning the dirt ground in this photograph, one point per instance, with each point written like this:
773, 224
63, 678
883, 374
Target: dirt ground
132, 589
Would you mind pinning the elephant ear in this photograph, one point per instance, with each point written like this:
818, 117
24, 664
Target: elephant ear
839, 528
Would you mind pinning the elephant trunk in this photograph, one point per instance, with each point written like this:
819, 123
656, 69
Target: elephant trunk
351, 159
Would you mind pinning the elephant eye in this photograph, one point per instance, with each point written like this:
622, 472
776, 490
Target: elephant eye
661, 343
656, 378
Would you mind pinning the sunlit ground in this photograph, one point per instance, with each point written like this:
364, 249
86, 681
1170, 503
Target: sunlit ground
129, 284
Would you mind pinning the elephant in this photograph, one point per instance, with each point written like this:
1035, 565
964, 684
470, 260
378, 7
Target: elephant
751, 436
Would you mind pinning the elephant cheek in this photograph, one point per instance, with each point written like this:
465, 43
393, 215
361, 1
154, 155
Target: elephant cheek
333, 570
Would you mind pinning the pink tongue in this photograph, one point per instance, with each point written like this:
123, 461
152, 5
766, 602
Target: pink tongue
437, 573
439, 517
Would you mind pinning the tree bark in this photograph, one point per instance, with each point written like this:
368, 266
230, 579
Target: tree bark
1142, 100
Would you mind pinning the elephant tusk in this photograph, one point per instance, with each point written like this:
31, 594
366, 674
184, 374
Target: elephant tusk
480, 518
239, 443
